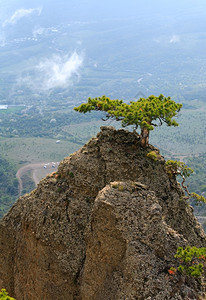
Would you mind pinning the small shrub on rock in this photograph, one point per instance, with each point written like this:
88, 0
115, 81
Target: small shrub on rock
191, 262
4, 295
152, 155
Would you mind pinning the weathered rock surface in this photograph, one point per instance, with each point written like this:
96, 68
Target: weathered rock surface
106, 226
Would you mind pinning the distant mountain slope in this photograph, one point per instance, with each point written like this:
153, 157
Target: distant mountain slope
8, 185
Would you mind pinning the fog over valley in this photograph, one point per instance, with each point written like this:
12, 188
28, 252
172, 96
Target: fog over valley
106, 48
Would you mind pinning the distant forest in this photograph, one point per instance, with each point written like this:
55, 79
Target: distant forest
8, 185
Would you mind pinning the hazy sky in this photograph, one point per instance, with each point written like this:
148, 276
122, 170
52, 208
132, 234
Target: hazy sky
87, 9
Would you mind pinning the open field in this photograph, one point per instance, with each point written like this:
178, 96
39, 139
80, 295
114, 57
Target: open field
189, 138
11, 109
39, 173
35, 150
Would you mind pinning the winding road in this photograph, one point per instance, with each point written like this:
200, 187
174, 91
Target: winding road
24, 170
35, 168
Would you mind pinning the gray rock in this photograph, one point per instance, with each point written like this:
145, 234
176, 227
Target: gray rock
106, 226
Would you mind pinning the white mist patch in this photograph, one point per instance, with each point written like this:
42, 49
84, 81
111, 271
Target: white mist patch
60, 71
175, 39
21, 13
2, 39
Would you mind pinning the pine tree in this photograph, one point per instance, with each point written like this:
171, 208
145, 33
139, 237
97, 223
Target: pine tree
143, 113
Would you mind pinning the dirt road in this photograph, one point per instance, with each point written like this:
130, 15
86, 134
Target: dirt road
24, 170
39, 170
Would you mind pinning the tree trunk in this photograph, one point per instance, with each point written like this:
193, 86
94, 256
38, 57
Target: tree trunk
144, 137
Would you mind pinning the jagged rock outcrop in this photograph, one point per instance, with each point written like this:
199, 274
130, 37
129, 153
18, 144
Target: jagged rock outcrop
105, 226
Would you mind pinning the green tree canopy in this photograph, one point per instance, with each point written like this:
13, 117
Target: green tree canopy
144, 113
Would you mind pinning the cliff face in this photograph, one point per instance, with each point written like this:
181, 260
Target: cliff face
105, 226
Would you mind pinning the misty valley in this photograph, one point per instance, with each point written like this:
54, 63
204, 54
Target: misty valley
48, 66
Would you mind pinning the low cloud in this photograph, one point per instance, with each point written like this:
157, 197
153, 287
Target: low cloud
21, 13
175, 39
60, 71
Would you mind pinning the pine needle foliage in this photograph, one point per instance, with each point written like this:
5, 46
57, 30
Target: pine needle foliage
174, 168
145, 113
